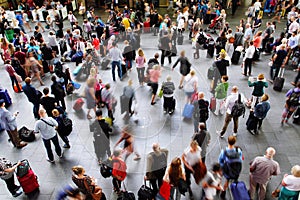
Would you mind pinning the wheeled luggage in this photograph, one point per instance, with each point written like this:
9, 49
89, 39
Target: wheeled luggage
239, 191
26, 135
180, 40
126, 195
147, 27
188, 111
5, 95
235, 57
145, 192
124, 103
104, 64
212, 104
78, 104
251, 122
279, 81
124, 70
27, 178
211, 72
296, 117
77, 71
210, 48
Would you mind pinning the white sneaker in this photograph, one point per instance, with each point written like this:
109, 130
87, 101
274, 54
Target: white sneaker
234, 134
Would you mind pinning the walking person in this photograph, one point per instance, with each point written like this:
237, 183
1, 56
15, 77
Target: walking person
116, 56
12, 75
190, 85
58, 91
212, 185
128, 55
108, 100
220, 70
185, 67
202, 137
140, 66
118, 171
168, 88
33, 96
59, 117
279, 60
291, 104
262, 168
235, 96
156, 166
91, 100
101, 131
48, 102
46, 126
247, 61
7, 171
220, 95
258, 89
9, 123
154, 74
129, 92
165, 47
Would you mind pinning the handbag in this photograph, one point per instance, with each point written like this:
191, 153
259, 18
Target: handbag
165, 190
182, 186
275, 193
160, 93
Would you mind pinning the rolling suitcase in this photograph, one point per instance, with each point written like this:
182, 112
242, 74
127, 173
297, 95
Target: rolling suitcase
146, 27
188, 111
126, 195
145, 192
77, 71
239, 191
251, 122
235, 57
279, 81
210, 48
104, 64
296, 117
124, 70
27, 178
180, 40
4, 95
78, 104
212, 104
211, 72
124, 102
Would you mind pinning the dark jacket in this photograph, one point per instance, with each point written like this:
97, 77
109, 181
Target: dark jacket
221, 67
258, 90
58, 90
128, 53
49, 104
185, 65
106, 129
31, 93
261, 109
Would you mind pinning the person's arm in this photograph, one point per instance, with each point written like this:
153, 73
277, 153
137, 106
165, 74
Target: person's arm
175, 63
92, 93
185, 163
266, 84
148, 166
12, 169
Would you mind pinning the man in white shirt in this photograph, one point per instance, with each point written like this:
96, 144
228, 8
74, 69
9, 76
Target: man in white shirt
116, 56
248, 59
230, 101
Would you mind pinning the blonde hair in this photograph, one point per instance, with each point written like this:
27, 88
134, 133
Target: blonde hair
55, 112
77, 169
140, 52
182, 53
93, 72
296, 170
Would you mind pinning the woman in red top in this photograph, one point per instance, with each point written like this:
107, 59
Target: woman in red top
257, 39
11, 72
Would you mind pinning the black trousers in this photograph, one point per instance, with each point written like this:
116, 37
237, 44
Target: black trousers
156, 183
10, 184
117, 184
163, 55
168, 103
248, 64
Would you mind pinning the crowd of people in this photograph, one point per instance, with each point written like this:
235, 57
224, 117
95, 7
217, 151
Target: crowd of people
28, 56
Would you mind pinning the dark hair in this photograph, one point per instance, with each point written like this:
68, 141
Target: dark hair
225, 78
36, 27
18, 48
7, 62
46, 90
53, 78
216, 167
98, 113
231, 140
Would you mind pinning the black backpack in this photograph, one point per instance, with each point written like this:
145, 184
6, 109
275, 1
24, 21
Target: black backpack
238, 108
66, 126
201, 39
106, 168
293, 99
233, 164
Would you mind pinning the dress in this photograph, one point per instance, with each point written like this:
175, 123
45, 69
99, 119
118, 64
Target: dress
90, 101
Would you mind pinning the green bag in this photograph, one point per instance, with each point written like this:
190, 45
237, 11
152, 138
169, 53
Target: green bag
160, 94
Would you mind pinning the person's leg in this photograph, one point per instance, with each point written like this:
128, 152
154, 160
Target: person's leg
262, 191
117, 184
64, 138
277, 69
246, 66
36, 107
235, 124
188, 173
181, 81
15, 137
228, 118
139, 74
119, 69
47, 145
162, 58
252, 187
11, 186
113, 67
170, 59
250, 67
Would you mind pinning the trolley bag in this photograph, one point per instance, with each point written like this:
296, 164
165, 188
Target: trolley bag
251, 122
124, 70
124, 102
28, 181
104, 64
211, 72
235, 57
145, 192
212, 104
296, 117
77, 71
180, 40
78, 104
188, 111
4, 95
147, 27
126, 195
26, 135
210, 48
239, 191
279, 81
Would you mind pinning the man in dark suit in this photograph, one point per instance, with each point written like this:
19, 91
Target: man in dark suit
33, 96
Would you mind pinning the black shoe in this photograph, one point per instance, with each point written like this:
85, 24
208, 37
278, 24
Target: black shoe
250, 131
223, 194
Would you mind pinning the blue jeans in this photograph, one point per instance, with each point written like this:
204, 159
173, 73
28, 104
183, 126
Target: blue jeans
128, 64
113, 67
47, 144
36, 107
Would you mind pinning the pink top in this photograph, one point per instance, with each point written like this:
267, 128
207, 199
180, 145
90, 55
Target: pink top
140, 61
154, 75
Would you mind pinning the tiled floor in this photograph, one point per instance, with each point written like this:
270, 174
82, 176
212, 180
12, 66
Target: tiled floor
172, 132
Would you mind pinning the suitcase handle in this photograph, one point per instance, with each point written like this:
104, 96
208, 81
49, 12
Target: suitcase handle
281, 72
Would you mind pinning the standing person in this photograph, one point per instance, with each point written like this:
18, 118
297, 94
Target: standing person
262, 168
230, 160
11, 72
101, 131
258, 89
267, 34
81, 10
203, 108
290, 184
46, 126
128, 55
58, 91
128, 143
190, 85
291, 104
59, 117
140, 66
36, 68
202, 137
9, 123
7, 170
90, 96
20, 19
128, 91
221, 94
185, 67
235, 96
247, 61
279, 61
116, 57
119, 170
48, 102
52, 42
87, 184
174, 173
166, 46
156, 166
33, 96
190, 158
154, 74
168, 88
221, 69
108, 100
72, 19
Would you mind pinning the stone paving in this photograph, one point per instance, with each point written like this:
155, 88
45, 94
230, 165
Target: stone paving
172, 132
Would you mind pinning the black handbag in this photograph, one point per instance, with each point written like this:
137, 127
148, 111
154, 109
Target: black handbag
145, 192
26, 135
182, 186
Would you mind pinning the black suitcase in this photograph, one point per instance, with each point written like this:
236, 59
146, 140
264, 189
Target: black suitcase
296, 117
45, 66
210, 73
26, 135
256, 55
279, 81
124, 70
145, 192
235, 57
251, 122
126, 195
104, 64
180, 40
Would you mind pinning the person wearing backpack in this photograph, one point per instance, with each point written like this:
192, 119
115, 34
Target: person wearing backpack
118, 171
234, 106
203, 139
292, 102
230, 159
262, 168
157, 161
168, 88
